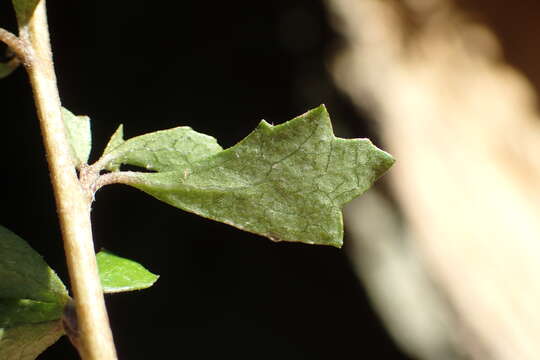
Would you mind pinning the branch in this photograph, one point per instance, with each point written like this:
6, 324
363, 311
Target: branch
17, 46
73, 203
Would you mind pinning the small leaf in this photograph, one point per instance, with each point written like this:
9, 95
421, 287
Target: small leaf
24, 9
79, 136
165, 150
24, 274
286, 182
119, 274
26, 342
116, 140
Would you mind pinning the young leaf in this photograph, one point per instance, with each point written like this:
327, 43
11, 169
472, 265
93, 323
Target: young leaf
26, 342
286, 182
24, 274
164, 150
79, 136
116, 140
119, 274
24, 9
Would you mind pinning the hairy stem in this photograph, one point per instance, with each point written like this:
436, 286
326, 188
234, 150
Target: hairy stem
72, 201
120, 177
16, 45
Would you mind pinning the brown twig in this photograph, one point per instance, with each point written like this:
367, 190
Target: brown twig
18, 47
72, 201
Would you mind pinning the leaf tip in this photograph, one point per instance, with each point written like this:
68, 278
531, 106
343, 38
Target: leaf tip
386, 160
114, 142
337, 244
264, 125
336, 241
119, 274
380, 160
319, 110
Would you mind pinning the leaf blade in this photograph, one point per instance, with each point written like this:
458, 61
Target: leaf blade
119, 274
164, 150
114, 142
32, 299
285, 182
26, 342
79, 136
24, 274
14, 312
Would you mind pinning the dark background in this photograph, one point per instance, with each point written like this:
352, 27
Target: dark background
219, 67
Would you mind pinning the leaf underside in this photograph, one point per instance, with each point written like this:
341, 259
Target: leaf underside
118, 274
286, 182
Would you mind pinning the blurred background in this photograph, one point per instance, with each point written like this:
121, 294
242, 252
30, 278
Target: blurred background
441, 258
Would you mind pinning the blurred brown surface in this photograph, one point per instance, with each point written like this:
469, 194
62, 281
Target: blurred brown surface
517, 28
457, 107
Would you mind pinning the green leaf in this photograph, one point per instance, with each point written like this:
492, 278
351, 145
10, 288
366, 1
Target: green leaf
32, 299
24, 274
8, 67
286, 182
26, 342
24, 9
116, 140
164, 150
15, 312
79, 136
119, 274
